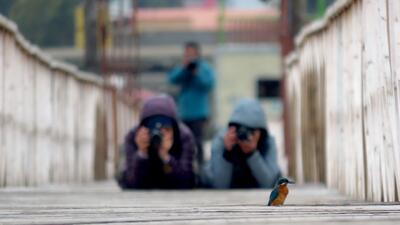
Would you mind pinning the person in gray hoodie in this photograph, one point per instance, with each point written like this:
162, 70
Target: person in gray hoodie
244, 154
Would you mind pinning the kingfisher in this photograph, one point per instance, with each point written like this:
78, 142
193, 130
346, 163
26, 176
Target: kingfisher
279, 193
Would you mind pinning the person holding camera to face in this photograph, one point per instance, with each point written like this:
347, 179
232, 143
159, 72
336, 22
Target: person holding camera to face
195, 77
160, 150
244, 154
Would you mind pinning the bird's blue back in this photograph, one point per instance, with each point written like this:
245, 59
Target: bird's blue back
273, 195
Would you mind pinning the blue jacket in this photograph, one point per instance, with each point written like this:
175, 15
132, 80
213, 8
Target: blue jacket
264, 168
193, 98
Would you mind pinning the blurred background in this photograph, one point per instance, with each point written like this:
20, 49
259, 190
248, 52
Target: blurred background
134, 43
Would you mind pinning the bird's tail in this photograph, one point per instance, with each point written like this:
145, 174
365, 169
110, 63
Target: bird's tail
269, 203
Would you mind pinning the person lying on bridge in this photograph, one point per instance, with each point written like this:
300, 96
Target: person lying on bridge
243, 155
160, 150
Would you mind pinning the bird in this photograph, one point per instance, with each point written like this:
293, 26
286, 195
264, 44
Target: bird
279, 193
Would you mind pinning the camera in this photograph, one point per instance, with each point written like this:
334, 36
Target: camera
242, 132
192, 66
155, 135
154, 124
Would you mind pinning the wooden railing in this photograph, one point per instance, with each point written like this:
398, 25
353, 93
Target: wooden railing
57, 124
343, 83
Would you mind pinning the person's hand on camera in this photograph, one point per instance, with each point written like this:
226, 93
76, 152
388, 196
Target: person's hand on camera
189, 62
230, 138
187, 59
142, 140
191, 68
166, 143
250, 145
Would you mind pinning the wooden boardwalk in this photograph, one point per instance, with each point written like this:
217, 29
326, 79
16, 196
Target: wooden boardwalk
104, 203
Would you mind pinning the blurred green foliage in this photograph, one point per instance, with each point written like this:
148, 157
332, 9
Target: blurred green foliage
44, 22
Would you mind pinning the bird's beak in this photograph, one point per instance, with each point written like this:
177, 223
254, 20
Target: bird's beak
291, 182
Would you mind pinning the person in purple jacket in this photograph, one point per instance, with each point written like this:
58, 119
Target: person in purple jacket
159, 151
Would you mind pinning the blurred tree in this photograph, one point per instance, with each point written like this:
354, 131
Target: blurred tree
45, 22
316, 8
299, 16
5, 6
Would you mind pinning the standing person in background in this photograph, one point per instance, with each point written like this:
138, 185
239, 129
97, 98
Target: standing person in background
196, 79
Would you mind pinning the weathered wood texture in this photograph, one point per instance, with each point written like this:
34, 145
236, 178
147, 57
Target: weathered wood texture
50, 117
343, 85
105, 204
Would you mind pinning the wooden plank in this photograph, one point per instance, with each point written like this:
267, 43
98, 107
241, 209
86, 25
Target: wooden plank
330, 115
31, 110
356, 76
393, 11
71, 129
10, 89
44, 121
105, 203
24, 113
57, 162
2, 119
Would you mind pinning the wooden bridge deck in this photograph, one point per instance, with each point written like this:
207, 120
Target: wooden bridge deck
104, 203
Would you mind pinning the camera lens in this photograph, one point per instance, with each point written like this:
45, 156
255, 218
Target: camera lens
192, 66
155, 137
243, 133
155, 124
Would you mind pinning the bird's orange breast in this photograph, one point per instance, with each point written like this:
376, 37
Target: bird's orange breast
283, 192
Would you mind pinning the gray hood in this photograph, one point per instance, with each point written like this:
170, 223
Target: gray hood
249, 112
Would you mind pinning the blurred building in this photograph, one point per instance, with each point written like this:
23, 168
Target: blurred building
241, 42
244, 40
